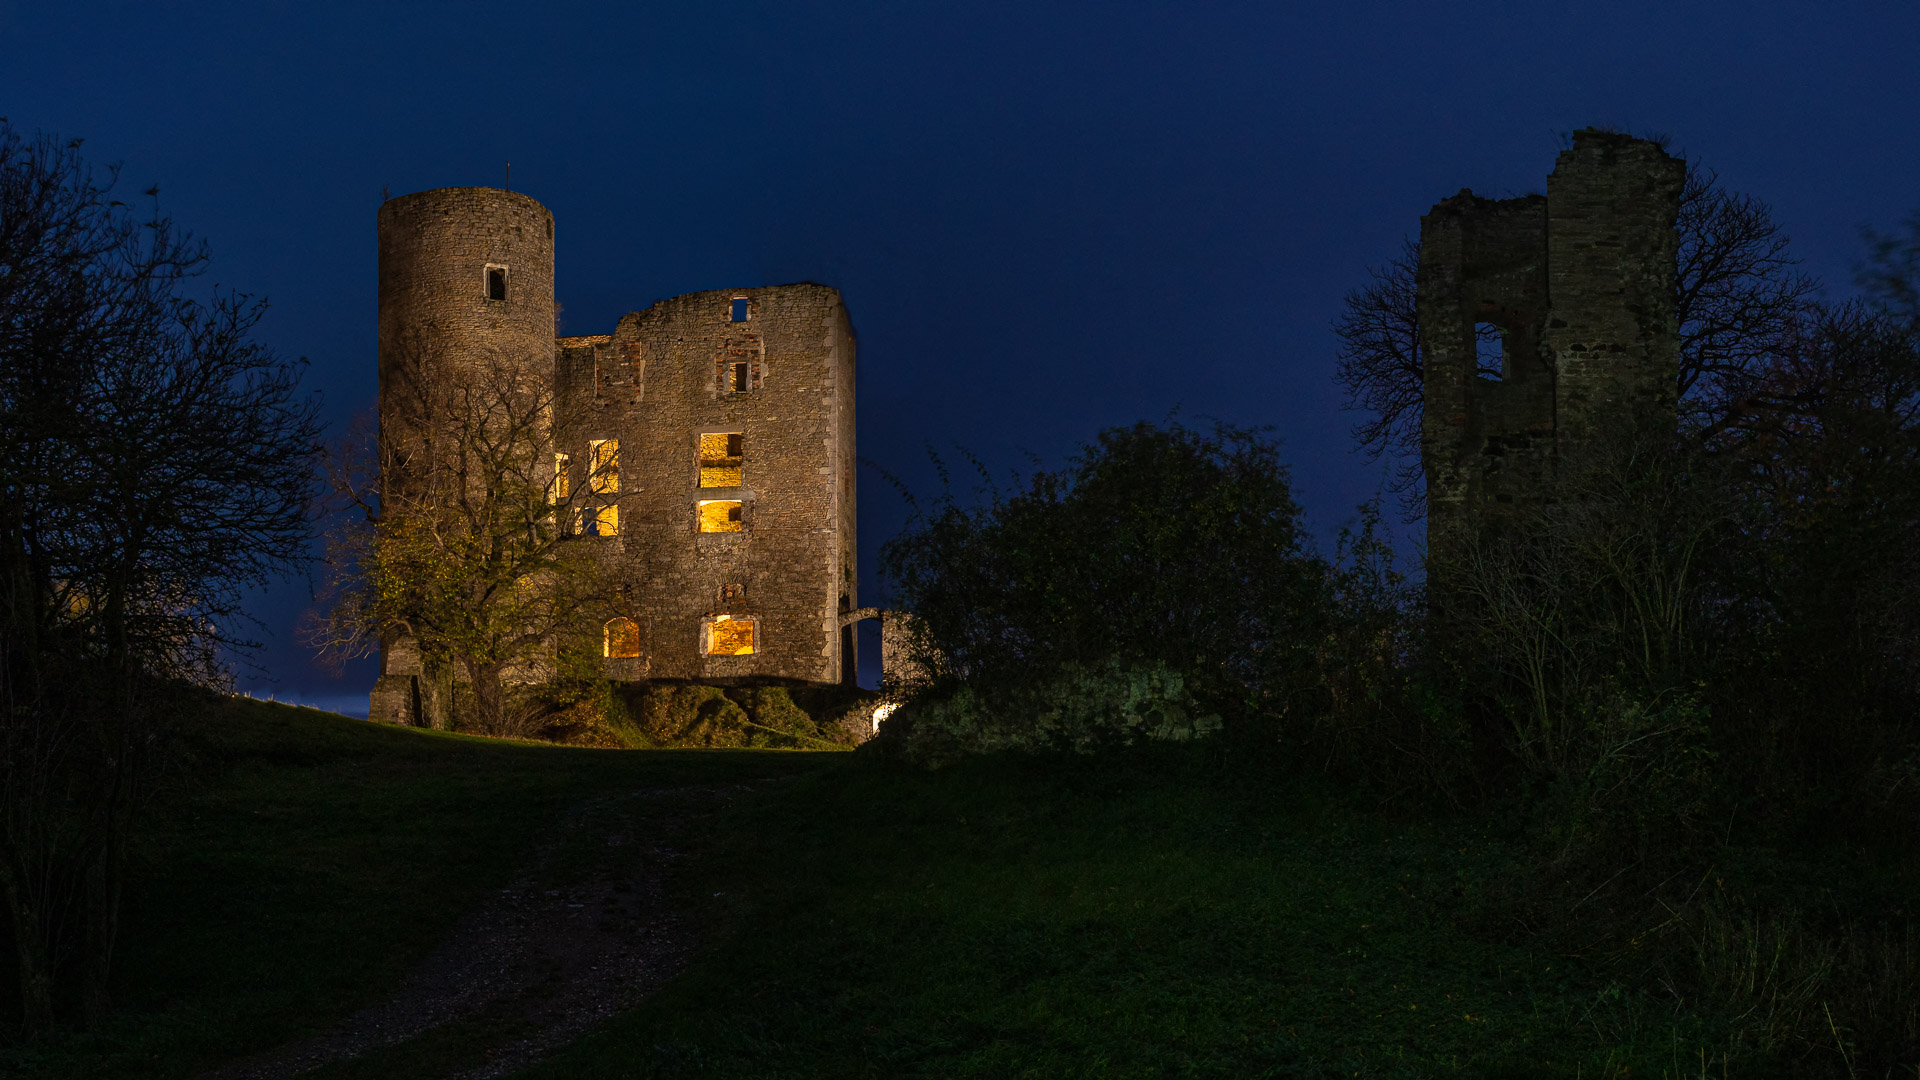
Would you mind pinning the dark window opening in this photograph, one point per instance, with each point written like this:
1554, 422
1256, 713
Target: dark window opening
733, 512
1489, 351
739, 309
736, 445
496, 283
740, 378
732, 594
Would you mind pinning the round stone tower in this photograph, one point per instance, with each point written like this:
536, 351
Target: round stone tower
466, 285
466, 275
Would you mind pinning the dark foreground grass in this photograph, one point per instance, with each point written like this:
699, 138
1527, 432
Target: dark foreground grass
298, 864
1010, 918
1158, 916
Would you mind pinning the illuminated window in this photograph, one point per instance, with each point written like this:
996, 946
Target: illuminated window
730, 635
720, 459
599, 521
622, 639
606, 466
739, 309
496, 283
721, 516
562, 482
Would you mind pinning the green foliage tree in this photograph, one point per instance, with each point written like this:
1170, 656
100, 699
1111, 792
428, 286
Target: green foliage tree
155, 463
1158, 545
466, 541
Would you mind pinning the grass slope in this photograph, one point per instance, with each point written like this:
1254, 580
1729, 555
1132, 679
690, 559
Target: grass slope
1011, 918
300, 863
1006, 917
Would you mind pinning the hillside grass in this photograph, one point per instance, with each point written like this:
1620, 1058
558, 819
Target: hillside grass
1158, 915
297, 864
1040, 918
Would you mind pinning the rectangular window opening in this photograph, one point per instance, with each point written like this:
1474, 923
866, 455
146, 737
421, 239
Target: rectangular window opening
739, 309
1489, 352
742, 380
721, 516
605, 453
721, 459
602, 521
496, 283
730, 635
562, 481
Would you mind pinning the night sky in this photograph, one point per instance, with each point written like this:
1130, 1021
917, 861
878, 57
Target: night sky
1046, 219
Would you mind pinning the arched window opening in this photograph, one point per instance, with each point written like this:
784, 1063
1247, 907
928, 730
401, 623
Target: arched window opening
621, 640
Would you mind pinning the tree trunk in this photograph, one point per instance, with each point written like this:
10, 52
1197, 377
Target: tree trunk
32, 957
489, 697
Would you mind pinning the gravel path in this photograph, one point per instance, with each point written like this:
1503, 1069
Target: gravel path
583, 933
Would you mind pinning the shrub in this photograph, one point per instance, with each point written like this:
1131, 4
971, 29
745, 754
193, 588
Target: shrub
1077, 709
1159, 548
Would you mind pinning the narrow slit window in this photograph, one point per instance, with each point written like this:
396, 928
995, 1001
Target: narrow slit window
721, 459
621, 639
721, 516
562, 481
739, 309
606, 466
742, 380
729, 635
1489, 352
496, 283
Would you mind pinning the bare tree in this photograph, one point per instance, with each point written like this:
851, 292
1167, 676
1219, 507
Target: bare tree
1736, 294
155, 463
472, 537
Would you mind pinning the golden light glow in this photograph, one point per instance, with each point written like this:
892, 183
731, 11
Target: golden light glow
562, 481
721, 516
606, 466
599, 521
721, 457
622, 639
730, 636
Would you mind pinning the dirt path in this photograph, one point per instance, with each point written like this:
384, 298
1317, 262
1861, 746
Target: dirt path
583, 932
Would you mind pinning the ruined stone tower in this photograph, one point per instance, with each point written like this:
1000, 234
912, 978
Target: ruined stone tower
713, 435
1546, 320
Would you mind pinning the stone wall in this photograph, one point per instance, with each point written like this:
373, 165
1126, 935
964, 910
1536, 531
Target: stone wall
660, 381
436, 249
1580, 283
663, 377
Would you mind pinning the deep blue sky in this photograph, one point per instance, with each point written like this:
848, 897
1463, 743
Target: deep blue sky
1046, 218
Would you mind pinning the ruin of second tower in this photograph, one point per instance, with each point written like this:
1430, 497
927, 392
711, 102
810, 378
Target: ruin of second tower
1546, 321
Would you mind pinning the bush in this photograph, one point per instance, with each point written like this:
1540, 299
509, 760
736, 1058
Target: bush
686, 714
1077, 709
1160, 548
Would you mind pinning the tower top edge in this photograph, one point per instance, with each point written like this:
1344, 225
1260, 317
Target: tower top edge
455, 196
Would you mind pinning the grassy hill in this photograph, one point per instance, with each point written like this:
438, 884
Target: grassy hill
1005, 917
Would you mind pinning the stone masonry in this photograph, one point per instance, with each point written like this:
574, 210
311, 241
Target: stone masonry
732, 532
1579, 286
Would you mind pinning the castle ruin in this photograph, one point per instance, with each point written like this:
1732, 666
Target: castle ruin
712, 434
1546, 320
